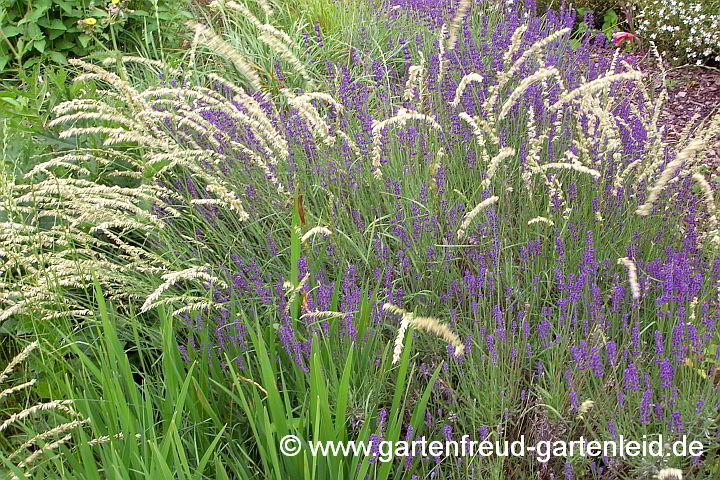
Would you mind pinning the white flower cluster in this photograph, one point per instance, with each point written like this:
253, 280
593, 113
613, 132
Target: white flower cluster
689, 30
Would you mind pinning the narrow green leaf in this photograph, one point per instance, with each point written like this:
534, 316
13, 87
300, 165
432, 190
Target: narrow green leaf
342, 397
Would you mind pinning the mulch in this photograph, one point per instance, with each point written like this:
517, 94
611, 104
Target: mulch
692, 90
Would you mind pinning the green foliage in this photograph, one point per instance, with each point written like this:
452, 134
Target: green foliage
24, 111
55, 30
608, 27
597, 6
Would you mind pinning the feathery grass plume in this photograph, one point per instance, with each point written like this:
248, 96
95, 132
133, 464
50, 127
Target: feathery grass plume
196, 306
230, 200
344, 136
47, 448
400, 337
97, 73
632, 276
464, 82
266, 7
429, 324
66, 427
709, 204
19, 358
16, 388
622, 174
170, 279
532, 50
108, 438
401, 118
544, 220
281, 36
693, 305
495, 163
443, 61
439, 329
533, 155
193, 51
323, 314
555, 191
238, 7
540, 75
294, 290
669, 474
457, 20
471, 214
593, 86
415, 80
481, 127
584, 408
147, 62
471, 121
285, 53
515, 40
36, 446
307, 97
315, 231
306, 109
214, 42
650, 122
505, 76
59, 405
707, 192
44, 262
671, 169
389, 307
570, 166
260, 124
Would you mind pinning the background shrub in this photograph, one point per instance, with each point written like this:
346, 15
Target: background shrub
597, 6
683, 31
34, 31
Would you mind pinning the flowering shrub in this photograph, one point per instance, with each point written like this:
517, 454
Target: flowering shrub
684, 31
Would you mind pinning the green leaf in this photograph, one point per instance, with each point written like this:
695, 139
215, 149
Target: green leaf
34, 32
56, 24
64, 44
342, 397
39, 45
31, 62
34, 16
11, 31
84, 40
4, 59
610, 19
204, 460
66, 6
53, 34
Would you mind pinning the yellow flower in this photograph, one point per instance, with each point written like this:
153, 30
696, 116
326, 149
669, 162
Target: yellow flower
115, 2
90, 21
